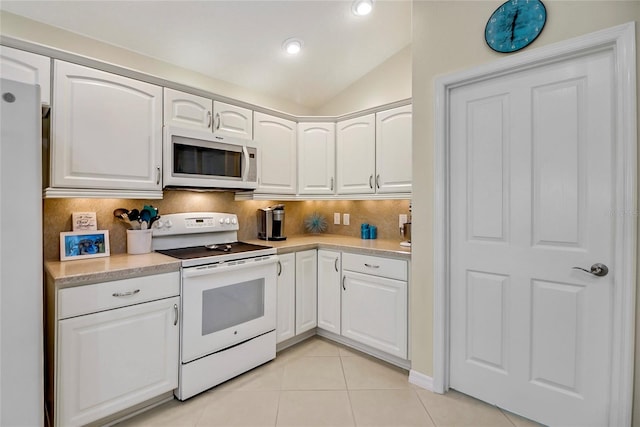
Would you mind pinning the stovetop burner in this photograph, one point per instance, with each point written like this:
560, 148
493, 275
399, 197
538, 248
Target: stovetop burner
212, 250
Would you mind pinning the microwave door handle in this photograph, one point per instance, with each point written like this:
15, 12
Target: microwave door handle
245, 172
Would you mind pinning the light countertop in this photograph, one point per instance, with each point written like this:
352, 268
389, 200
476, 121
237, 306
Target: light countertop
381, 247
64, 274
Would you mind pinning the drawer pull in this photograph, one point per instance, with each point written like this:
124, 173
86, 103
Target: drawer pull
371, 265
344, 288
126, 294
279, 268
335, 265
175, 309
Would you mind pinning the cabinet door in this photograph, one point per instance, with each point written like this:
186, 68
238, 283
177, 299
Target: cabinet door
329, 290
316, 167
374, 312
115, 359
356, 155
393, 150
306, 290
186, 110
27, 67
106, 130
230, 120
276, 139
286, 312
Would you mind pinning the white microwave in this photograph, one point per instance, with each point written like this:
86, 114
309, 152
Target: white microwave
199, 159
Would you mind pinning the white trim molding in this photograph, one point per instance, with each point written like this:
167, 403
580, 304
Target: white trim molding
619, 40
421, 380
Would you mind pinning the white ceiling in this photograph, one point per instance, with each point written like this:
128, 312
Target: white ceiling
240, 41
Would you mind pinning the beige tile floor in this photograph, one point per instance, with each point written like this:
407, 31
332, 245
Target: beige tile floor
321, 383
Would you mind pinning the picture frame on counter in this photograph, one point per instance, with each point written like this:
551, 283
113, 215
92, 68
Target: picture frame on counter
84, 244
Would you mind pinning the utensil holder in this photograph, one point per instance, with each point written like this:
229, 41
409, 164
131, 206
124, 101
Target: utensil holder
138, 241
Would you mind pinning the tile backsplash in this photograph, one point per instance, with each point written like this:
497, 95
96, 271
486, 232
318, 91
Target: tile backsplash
382, 213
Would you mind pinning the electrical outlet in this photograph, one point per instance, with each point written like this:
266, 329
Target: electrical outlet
402, 219
336, 218
345, 219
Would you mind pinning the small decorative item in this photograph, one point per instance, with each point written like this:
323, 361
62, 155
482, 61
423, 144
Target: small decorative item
84, 244
515, 24
83, 221
315, 223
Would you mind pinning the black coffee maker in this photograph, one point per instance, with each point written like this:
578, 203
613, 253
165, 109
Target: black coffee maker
271, 223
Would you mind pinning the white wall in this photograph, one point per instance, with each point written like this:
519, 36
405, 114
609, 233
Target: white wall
448, 36
25, 29
389, 82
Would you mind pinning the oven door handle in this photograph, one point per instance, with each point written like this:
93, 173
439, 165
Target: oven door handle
228, 266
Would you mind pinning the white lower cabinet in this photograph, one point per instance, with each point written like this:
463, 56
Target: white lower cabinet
329, 290
114, 359
374, 307
306, 290
286, 299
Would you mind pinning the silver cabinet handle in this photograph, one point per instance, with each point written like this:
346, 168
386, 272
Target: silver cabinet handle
218, 121
371, 265
157, 175
597, 269
279, 268
343, 285
126, 294
371, 181
209, 117
175, 312
378, 181
332, 184
335, 264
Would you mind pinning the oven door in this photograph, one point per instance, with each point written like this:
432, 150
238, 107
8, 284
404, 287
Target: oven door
227, 303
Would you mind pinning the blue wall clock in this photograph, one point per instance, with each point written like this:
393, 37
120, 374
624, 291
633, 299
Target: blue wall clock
515, 24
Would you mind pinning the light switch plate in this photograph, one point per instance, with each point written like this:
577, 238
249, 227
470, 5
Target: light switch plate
336, 218
345, 219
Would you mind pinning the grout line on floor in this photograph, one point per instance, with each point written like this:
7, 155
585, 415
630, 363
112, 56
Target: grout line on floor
346, 386
425, 407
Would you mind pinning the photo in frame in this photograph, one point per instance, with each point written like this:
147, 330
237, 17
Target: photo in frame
84, 244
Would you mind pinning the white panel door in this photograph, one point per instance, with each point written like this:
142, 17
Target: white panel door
393, 150
531, 184
329, 290
186, 110
106, 130
356, 155
374, 312
316, 151
286, 302
277, 161
306, 290
231, 120
115, 359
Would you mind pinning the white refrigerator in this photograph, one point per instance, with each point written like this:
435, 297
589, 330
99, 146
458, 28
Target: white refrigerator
21, 264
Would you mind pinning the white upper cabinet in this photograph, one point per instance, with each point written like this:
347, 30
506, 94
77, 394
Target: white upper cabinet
356, 155
276, 140
230, 120
186, 110
27, 67
106, 131
316, 165
393, 150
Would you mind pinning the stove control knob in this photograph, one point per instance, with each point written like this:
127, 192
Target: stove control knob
234, 221
168, 224
221, 220
227, 220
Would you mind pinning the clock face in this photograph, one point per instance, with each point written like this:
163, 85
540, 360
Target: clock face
515, 24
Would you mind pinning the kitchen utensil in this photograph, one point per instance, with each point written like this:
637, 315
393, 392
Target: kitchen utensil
145, 218
133, 214
118, 212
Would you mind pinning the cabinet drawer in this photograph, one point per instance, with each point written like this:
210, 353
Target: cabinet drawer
377, 266
119, 293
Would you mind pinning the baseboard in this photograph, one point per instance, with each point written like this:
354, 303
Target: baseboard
421, 380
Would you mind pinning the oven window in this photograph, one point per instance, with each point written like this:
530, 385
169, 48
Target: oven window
194, 160
232, 305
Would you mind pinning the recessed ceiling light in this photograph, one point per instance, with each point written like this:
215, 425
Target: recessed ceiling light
292, 46
362, 7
